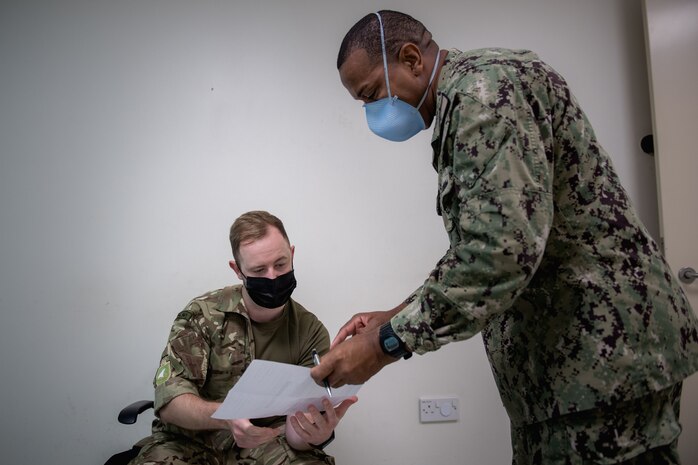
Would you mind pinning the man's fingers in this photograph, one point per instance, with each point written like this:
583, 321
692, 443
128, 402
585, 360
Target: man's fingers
303, 421
329, 415
262, 433
321, 371
317, 416
248, 435
349, 329
336, 381
342, 408
340, 337
328, 370
331, 367
300, 431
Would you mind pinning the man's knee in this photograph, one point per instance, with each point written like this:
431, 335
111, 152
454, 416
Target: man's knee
278, 452
164, 451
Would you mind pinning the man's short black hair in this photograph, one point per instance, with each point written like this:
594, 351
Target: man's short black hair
399, 28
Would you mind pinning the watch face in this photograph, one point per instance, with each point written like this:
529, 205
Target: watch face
391, 343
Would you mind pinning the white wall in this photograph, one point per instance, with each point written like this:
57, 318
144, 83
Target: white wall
133, 132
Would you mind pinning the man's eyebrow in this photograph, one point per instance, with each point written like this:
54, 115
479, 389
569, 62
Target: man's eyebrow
363, 83
358, 93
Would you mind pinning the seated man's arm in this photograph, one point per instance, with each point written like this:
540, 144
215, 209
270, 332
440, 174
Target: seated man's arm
194, 413
191, 412
181, 376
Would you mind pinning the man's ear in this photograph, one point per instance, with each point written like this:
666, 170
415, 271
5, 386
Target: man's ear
235, 268
411, 56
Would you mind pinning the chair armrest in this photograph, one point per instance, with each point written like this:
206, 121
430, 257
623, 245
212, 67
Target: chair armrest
129, 414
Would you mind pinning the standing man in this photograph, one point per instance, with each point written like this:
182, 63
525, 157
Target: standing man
211, 343
588, 334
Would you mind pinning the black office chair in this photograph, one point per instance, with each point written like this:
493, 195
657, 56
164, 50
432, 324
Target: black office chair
128, 416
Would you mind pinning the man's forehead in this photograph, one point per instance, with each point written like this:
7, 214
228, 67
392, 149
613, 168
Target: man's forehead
271, 247
357, 71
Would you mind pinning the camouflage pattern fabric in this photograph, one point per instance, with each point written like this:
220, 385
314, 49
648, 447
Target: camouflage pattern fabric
208, 349
278, 452
577, 307
163, 448
170, 449
643, 431
210, 345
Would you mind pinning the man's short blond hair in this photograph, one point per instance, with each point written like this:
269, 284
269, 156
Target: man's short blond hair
252, 226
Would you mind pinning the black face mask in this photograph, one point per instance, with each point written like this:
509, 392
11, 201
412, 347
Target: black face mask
271, 293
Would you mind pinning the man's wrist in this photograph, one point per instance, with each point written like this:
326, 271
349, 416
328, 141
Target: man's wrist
324, 443
391, 344
397, 309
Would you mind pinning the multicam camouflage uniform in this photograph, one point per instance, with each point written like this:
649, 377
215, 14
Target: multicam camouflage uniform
210, 345
577, 307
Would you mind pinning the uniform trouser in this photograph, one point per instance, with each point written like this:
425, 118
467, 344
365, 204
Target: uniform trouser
642, 431
164, 448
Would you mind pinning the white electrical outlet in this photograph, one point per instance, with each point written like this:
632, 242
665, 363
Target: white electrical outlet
436, 409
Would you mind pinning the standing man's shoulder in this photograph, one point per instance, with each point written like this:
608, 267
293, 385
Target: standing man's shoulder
489, 57
470, 70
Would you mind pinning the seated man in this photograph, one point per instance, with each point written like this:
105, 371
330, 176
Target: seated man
211, 343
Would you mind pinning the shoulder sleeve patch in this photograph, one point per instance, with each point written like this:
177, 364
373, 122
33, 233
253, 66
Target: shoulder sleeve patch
185, 315
163, 373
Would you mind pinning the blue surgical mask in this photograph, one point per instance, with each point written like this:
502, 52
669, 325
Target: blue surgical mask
390, 117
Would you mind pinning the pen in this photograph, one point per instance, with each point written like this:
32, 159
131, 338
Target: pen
316, 362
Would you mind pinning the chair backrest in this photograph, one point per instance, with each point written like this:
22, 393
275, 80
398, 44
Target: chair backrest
123, 458
128, 416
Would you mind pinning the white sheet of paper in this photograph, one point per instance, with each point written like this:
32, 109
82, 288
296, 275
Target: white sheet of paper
271, 388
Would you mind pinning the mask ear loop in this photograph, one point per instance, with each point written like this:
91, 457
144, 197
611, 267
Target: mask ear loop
385, 65
431, 79
385, 59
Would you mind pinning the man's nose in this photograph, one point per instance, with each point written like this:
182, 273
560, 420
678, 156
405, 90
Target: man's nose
271, 273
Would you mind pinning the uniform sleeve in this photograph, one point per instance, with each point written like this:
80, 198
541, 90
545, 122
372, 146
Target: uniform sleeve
184, 362
497, 208
318, 338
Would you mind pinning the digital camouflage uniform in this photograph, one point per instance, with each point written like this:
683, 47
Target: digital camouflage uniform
210, 345
577, 307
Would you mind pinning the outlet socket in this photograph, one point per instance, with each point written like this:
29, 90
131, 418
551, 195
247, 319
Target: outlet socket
438, 409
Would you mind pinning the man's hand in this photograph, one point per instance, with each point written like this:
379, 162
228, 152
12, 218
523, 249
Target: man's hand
353, 361
360, 323
313, 427
247, 435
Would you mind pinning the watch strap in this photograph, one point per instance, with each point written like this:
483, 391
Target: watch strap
391, 344
325, 443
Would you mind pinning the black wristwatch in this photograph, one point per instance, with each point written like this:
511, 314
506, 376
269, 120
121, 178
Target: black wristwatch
391, 344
